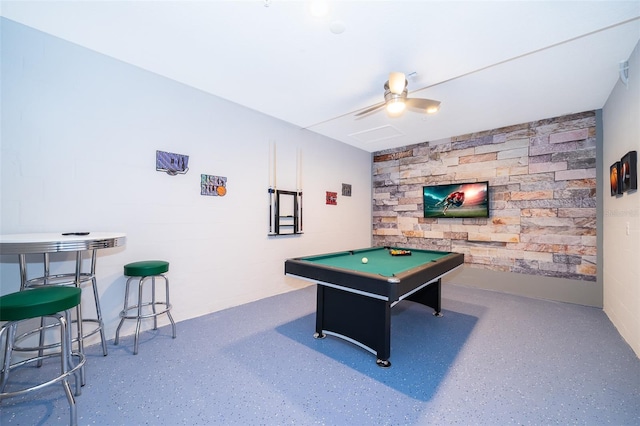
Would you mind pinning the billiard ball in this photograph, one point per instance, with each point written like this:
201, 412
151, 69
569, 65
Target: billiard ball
365, 260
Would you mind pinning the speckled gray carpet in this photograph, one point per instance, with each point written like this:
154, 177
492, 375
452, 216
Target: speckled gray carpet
493, 359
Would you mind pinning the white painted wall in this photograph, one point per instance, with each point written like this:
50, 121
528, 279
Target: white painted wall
78, 141
621, 123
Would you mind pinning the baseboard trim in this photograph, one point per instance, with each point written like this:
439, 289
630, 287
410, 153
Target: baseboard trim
588, 293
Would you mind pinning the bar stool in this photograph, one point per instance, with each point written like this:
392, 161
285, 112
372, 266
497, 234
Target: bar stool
143, 271
52, 302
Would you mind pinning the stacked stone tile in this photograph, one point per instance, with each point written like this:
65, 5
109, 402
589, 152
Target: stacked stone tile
542, 178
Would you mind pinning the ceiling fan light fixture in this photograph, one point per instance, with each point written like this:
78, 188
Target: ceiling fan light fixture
395, 106
433, 109
397, 82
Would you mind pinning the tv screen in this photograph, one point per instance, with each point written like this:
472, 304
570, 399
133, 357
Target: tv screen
456, 200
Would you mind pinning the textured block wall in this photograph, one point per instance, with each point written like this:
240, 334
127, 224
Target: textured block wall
542, 178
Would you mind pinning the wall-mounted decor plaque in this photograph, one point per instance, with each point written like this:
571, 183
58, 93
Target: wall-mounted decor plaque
171, 163
213, 185
332, 198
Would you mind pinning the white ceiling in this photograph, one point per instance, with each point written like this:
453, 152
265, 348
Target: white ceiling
490, 63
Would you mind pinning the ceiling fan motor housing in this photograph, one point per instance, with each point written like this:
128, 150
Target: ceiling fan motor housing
389, 96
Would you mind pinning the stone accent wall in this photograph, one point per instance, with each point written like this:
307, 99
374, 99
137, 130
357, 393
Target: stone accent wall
542, 178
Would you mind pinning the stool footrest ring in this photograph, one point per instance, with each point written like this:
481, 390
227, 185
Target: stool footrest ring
80, 363
127, 315
25, 335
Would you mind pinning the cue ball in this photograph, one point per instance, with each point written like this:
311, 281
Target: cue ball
365, 260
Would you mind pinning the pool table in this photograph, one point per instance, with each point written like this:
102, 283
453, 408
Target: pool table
354, 298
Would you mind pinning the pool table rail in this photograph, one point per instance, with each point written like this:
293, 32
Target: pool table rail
415, 277
357, 280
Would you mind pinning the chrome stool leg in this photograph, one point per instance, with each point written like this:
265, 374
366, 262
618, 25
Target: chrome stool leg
173, 324
124, 309
153, 303
96, 298
139, 316
8, 349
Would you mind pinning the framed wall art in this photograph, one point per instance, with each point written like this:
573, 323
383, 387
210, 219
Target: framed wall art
614, 179
332, 198
628, 171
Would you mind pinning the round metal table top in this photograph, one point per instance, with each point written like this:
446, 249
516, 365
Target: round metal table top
55, 242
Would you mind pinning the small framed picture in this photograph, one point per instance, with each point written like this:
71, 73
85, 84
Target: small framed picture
332, 198
628, 171
614, 179
346, 190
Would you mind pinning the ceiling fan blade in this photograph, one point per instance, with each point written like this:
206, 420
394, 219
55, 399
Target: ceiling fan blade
370, 109
397, 82
428, 105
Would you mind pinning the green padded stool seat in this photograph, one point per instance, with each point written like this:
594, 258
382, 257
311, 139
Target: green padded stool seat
142, 271
146, 268
54, 302
38, 302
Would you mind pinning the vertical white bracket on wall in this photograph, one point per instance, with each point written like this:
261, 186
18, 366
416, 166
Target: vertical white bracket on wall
299, 188
624, 73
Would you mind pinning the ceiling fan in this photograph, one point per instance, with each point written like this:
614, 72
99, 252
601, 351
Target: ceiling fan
395, 98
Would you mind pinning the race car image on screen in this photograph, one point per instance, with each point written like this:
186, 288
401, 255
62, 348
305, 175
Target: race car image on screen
456, 200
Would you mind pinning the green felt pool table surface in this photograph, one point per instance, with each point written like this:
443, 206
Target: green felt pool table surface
380, 261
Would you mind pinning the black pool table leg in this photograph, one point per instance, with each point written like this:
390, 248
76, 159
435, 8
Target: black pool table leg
430, 296
383, 349
383, 344
319, 313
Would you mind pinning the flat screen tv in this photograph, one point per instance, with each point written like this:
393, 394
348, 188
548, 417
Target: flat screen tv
456, 200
